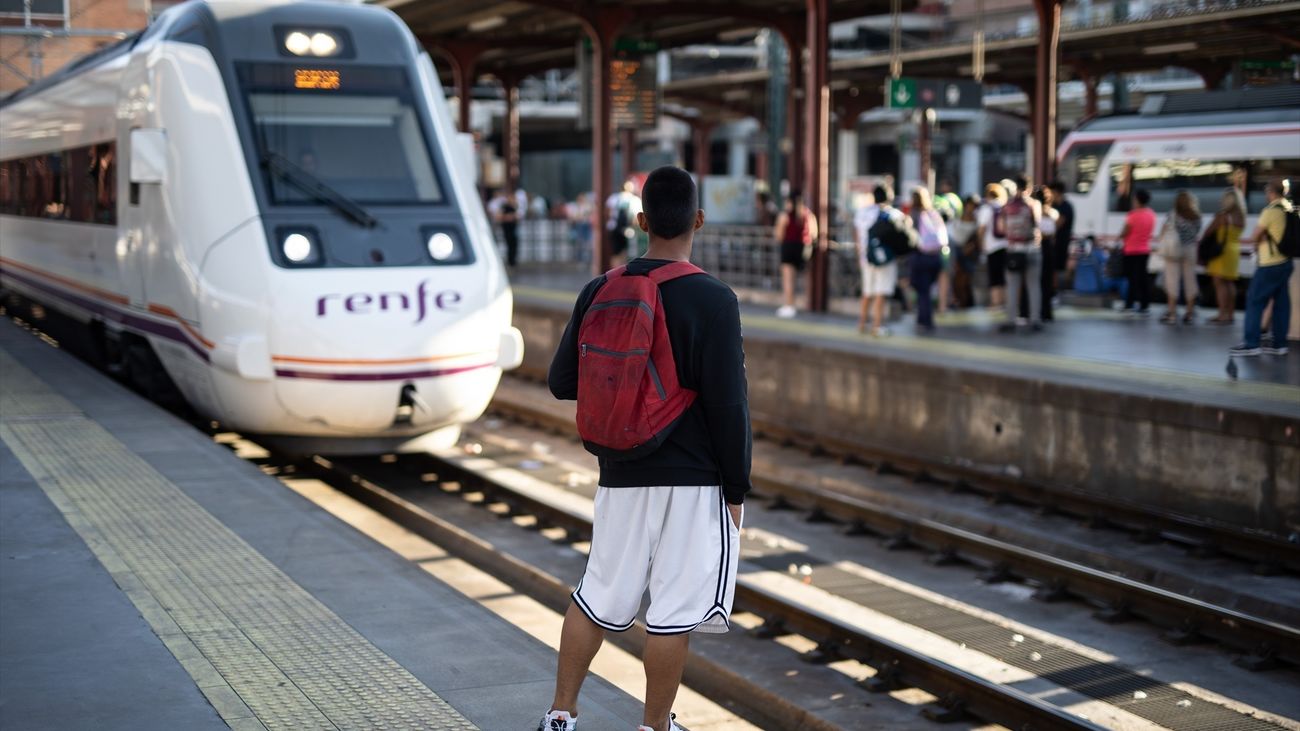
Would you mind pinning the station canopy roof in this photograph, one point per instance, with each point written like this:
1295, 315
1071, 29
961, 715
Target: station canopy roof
522, 37
530, 36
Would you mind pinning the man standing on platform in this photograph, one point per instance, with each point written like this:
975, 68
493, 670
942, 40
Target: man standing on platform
667, 517
1270, 283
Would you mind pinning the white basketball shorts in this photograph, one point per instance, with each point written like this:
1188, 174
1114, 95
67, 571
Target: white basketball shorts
679, 542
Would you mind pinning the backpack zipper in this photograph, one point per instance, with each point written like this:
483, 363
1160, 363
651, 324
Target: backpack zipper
615, 353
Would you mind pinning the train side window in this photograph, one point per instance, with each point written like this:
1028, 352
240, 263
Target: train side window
1206, 179
105, 168
1081, 164
6, 186
1263, 171
81, 189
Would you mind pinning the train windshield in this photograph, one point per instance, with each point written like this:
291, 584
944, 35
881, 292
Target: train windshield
355, 129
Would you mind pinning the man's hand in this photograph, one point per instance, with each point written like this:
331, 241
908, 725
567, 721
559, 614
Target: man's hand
736, 512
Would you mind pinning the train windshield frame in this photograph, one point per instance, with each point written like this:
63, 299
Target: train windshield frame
358, 129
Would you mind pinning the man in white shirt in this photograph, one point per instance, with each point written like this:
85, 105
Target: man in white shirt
878, 279
620, 220
995, 246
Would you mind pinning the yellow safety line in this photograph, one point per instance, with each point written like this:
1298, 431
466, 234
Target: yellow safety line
265, 652
997, 355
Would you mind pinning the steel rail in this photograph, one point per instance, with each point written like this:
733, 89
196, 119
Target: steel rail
897, 666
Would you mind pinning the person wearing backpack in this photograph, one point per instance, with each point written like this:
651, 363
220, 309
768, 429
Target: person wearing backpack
621, 210
653, 354
993, 241
1020, 219
1277, 241
883, 234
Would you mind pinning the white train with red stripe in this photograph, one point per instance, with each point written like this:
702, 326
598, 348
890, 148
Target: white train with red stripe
269, 202
1202, 142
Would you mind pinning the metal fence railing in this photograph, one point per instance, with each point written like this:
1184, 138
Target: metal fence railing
743, 256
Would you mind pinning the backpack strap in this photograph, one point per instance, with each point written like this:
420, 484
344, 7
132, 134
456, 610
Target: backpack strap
615, 273
669, 272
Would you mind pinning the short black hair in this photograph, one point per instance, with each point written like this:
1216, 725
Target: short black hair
882, 193
1022, 184
1058, 186
670, 202
1142, 196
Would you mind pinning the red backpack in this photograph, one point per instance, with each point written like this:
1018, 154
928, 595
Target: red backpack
629, 399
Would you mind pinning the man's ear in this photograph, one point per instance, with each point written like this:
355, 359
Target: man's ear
699, 219
642, 222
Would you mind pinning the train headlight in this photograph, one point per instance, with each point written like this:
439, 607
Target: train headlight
309, 42
324, 44
441, 246
297, 43
300, 248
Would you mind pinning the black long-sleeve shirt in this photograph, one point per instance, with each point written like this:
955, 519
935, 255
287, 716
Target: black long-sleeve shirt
712, 442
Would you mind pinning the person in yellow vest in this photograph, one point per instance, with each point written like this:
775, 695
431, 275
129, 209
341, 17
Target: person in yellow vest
1271, 280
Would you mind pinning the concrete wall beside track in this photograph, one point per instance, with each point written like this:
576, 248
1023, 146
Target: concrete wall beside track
1206, 458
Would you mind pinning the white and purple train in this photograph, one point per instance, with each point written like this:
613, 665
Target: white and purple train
269, 202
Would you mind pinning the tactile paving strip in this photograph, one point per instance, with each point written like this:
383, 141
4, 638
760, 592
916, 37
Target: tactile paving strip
1111, 683
264, 651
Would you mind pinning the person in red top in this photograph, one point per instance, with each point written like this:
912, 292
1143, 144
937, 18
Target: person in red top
1138, 227
795, 230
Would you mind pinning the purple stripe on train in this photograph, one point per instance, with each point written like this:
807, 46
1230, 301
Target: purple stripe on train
397, 376
161, 329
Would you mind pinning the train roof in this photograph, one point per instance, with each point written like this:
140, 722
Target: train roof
1262, 105
82, 64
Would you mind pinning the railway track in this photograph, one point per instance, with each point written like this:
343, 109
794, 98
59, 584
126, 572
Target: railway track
1264, 643
961, 693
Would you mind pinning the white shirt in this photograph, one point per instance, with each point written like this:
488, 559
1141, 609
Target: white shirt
984, 217
612, 204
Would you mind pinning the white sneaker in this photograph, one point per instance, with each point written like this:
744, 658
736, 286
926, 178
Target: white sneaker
881, 332
558, 721
672, 725
785, 312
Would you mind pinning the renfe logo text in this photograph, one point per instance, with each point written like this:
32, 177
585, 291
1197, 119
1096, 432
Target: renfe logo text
365, 303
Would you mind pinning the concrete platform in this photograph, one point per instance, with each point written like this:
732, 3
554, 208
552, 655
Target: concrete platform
1125, 410
153, 580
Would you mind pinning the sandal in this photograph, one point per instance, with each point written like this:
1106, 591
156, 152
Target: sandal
1189, 319
1169, 319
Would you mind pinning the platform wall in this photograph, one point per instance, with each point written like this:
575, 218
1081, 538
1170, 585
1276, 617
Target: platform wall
1234, 466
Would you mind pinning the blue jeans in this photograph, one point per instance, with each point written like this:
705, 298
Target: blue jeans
1269, 283
925, 270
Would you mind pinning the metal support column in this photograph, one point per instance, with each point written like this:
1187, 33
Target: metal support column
627, 150
510, 131
794, 105
1090, 105
1044, 118
463, 57
602, 26
701, 140
817, 162
925, 122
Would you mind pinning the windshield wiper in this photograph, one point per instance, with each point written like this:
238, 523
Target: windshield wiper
281, 167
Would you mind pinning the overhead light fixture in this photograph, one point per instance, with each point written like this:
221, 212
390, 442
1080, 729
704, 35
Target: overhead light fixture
495, 21
1170, 48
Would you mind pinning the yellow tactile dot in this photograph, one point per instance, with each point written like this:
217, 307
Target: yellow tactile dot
265, 653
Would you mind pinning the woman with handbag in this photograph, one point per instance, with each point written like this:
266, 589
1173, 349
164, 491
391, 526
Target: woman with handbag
1178, 240
1224, 237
